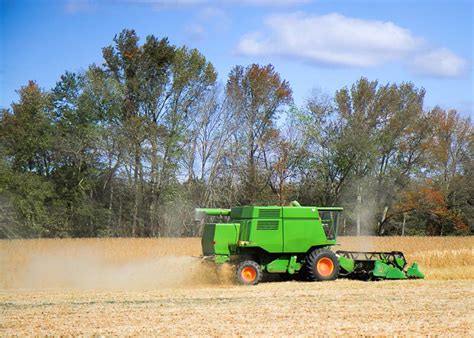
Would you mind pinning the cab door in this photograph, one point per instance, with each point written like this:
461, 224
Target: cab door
299, 225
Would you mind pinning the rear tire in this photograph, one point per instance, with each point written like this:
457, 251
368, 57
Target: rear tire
321, 264
248, 273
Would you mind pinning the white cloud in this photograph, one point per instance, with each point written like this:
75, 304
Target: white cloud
213, 15
439, 62
330, 39
187, 3
196, 32
208, 21
167, 3
79, 6
335, 39
209, 13
266, 2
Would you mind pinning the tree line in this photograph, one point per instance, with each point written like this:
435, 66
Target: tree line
132, 146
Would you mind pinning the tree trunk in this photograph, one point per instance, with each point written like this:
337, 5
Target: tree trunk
359, 203
153, 188
192, 159
119, 222
111, 198
136, 194
384, 216
404, 222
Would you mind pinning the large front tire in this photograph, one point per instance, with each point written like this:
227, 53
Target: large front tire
321, 264
248, 273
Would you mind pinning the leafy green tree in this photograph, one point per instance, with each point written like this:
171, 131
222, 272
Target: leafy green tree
77, 162
126, 62
163, 87
26, 134
366, 145
256, 94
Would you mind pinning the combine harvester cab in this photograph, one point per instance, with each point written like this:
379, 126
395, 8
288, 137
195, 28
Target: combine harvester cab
292, 240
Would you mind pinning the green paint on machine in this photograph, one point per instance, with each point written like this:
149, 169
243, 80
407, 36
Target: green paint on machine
291, 240
346, 264
414, 272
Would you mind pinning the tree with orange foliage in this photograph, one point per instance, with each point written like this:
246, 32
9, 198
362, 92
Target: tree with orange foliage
443, 200
428, 204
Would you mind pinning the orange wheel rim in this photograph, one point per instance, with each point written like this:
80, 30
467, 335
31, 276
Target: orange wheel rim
248, 274
325, 266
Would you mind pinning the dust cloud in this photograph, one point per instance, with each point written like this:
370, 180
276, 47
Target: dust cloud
90, 270
367, 221
360, 206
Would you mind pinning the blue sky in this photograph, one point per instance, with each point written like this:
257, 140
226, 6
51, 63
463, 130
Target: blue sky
312, 43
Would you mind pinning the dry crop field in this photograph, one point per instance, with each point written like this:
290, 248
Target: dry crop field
155, 286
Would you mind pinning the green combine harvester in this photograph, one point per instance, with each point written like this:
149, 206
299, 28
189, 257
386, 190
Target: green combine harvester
292, 240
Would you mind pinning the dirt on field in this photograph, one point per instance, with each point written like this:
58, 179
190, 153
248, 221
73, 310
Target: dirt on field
155, 286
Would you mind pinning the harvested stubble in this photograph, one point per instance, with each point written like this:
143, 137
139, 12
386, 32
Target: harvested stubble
342, 307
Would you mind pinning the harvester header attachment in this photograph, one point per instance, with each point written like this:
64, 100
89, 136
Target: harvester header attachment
376, 265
